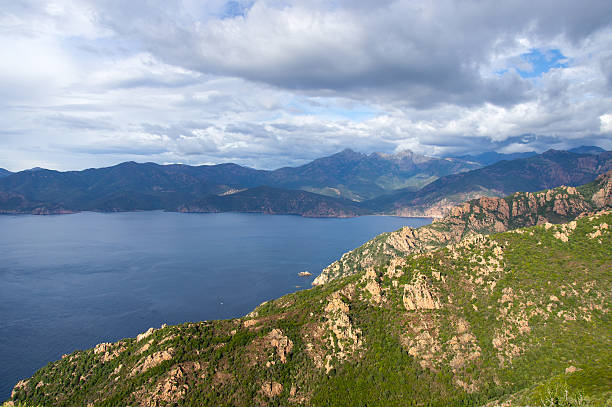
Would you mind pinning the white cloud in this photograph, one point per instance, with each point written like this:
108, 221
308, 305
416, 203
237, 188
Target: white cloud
606, 123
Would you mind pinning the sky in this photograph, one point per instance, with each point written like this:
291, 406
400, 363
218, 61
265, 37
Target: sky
272, 83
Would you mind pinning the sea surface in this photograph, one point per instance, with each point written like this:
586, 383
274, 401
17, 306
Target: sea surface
69, 282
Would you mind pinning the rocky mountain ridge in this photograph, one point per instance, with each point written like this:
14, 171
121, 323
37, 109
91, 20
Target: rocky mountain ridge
483, 215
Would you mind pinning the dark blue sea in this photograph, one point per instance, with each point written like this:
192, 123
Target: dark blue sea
71, 281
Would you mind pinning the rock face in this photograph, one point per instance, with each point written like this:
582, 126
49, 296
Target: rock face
108, 351
483, 215
153, 360
603, 197
282, 344
418, 295
304, 273
340, 339
144, 335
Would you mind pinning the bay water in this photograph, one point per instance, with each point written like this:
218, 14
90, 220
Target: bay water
69, 282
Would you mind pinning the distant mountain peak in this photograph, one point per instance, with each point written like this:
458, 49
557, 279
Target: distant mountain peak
403, 156
4, 173
491, 157
587, 150
553, 152
348, 152
402, 153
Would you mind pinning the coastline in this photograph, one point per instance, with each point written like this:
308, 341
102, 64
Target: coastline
41, 212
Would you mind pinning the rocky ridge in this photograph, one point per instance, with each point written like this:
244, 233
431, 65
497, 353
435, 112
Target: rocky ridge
483, 215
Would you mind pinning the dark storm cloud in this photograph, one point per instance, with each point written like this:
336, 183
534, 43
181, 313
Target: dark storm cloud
422, 53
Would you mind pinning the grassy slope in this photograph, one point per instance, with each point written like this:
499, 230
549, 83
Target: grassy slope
515, 310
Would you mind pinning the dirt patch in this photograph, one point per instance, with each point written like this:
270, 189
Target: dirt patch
271, 389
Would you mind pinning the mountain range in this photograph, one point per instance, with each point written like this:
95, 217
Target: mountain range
492, 157
347, 174
338, 185
359, 177
515, 318
548, 170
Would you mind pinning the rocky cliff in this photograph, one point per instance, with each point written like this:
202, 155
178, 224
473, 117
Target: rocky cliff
513, 318
484, 215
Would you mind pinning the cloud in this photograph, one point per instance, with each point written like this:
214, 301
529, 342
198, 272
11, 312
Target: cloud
268, 83
405, 50
606, 123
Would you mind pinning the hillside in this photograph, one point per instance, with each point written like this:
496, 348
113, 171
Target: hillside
4, 173
358, 176
131, 186
492, 157
587, 150
127, 186
483, 215
11, 203
548, 170
497, 320
276, 201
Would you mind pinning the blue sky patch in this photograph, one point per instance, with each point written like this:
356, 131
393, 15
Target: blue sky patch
331, 109
537, 62
234, 8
